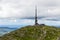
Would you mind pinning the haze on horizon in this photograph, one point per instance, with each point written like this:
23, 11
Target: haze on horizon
25, 8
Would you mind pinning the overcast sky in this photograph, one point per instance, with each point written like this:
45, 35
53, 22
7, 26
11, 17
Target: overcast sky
25, 8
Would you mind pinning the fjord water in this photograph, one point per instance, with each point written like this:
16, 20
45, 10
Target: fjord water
8, 25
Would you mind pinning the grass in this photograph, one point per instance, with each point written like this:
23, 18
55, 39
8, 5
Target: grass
33, 33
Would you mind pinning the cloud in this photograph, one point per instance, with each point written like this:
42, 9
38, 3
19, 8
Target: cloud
25, 8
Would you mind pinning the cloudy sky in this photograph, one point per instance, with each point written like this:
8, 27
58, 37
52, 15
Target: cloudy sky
25, 8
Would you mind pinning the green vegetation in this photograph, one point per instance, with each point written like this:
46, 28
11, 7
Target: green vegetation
33, 33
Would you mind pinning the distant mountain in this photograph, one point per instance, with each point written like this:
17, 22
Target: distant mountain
52, 18
45, 18
33, 33
6, 28
33, 17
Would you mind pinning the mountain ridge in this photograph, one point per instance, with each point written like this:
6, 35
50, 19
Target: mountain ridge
38, 32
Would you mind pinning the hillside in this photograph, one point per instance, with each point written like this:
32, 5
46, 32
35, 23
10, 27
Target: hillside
33, 33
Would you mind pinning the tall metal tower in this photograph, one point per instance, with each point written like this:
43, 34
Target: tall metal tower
36, 21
